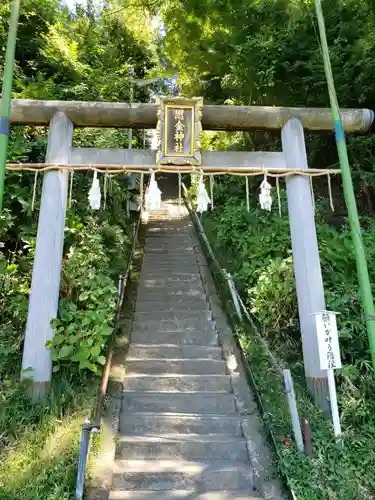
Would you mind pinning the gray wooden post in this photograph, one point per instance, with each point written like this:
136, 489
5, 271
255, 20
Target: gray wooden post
45, 286
306, 261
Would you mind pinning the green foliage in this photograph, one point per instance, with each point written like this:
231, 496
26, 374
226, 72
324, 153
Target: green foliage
83, 55
86, 313
256, 248
259, 253
333, 472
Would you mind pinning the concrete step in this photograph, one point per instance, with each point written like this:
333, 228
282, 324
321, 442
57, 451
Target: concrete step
186, 447
176, 275
183, 325
182, 287
177, 338
172, 246
171, 291
169, 295
192, 278
188, 263
156, 424
178, 305
202, 366
172, 303
168, 247
155, 272
150, 281
169, 244
177, 383
168, 265
161, 230
156, 268
158, 475
163, 259
184, 495
195, 402
173, 315
170, 351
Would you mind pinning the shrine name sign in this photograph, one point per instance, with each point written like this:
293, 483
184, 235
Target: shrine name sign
178, 131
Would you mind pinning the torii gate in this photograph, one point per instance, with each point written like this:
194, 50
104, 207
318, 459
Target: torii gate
63, 116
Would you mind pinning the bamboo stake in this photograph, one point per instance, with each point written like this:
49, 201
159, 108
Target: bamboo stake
355, 227
7, 93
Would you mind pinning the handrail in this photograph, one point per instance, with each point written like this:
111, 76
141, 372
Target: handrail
90, 428
236, 297
239, 304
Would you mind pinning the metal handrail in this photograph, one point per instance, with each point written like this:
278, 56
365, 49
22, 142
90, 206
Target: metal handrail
242, 313
239, 305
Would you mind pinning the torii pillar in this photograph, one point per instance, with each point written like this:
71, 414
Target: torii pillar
306, 261
45, 285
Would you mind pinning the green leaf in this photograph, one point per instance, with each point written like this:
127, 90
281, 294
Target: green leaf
95, 351
83, 296
65, 351
101, 360
106, 330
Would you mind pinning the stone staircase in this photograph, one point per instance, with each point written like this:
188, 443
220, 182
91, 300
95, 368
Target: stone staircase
181, 435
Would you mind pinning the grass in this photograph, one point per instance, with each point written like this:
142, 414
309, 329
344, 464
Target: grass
40, 444
334, 472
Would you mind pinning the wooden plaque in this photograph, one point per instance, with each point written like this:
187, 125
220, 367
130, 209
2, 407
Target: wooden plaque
178, 131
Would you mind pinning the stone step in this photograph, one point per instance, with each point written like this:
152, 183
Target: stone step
196, 402
190, 276
169, 244
168, 247
167, 268
173, 315
159, 278
177, 383
202, 366
172, 303
164, 255
169, 263
156, 229
158, 475
190, 324
177, 275
169, 240
184, 495
179, 305
169, 295
179, 278
186, 447
161, 230
156, 424
175, 229
170, 351
183, 287
177, 338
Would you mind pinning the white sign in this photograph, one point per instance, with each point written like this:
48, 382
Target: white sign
328, 340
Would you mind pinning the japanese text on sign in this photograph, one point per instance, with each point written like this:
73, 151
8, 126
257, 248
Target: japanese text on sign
179, 135
328, 341
179, 131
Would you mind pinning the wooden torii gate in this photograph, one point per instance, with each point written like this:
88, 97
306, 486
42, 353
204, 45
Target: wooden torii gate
63, 116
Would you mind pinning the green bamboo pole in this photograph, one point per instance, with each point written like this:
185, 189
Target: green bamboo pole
362, 269
7, 93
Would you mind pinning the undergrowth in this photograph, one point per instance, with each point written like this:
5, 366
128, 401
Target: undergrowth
39, 444
255, 247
